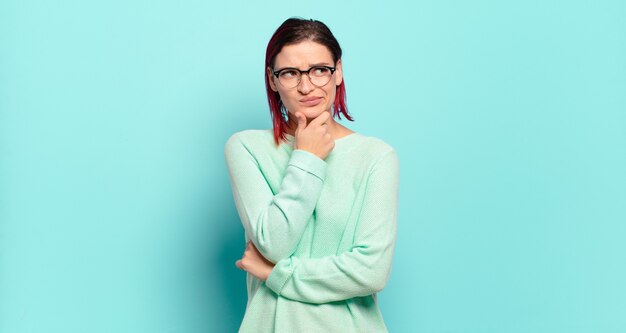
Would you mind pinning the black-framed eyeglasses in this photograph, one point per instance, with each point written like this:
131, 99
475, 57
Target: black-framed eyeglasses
318, 75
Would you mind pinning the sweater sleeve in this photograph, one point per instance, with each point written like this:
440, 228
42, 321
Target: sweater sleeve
274, 222
364, 269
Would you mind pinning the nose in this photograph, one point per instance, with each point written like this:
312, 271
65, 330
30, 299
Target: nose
305, 86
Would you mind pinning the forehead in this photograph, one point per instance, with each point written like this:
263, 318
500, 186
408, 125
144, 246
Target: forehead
303, 55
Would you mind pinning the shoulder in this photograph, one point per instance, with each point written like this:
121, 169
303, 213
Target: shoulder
250, 135
375, 149
381, 159
248, 138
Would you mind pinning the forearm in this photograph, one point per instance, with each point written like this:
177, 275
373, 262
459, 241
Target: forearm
277, 226
334, 278
275, 222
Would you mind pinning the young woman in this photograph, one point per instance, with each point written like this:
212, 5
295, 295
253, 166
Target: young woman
317, 200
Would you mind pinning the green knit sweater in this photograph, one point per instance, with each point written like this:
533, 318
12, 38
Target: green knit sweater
328, 225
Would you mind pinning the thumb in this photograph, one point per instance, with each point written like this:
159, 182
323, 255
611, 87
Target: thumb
301, 121
238, 264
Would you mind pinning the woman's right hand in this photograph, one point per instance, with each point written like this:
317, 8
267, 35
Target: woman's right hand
314, 137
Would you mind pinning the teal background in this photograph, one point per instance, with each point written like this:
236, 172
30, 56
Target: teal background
509, 118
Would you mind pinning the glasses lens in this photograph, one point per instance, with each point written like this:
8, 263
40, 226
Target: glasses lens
289, 78
320, 75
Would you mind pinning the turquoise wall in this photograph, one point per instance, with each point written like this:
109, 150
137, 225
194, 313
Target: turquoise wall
509, 118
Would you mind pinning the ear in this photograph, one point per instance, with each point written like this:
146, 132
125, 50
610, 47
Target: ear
338, 73
270, 79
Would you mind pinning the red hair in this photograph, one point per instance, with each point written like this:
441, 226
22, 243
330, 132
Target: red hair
292, 31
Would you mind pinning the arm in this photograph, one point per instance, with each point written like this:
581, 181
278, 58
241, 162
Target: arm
274, 223
365, 268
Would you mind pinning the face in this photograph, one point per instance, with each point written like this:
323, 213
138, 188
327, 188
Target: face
306, 97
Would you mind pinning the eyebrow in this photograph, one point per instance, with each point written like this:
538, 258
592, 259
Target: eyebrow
320, 64
311, 65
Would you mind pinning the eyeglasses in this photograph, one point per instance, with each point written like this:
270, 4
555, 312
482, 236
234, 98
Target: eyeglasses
318, 75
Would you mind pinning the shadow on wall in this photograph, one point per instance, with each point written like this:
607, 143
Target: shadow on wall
230, 245
209, 290
232, 281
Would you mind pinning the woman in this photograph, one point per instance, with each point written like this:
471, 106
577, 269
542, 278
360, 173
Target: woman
317, 200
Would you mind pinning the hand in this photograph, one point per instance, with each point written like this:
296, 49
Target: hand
254, 263
314, 137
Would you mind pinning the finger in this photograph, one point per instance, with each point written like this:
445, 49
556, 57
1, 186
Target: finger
322, 118
301, 121
238, 264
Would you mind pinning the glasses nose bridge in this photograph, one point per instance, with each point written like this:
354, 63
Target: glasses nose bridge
307, 75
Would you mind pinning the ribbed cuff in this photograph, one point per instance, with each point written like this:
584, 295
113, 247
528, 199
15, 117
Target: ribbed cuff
279, 275
308, 162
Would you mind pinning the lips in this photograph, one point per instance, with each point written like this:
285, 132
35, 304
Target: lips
308, 99
311, 101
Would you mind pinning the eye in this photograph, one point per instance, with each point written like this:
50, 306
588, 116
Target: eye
288, 73
320, 71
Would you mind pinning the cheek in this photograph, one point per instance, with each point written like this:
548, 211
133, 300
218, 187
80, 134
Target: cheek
332, 94
286, 99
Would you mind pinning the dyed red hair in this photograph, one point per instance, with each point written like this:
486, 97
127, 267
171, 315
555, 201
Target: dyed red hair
293, 31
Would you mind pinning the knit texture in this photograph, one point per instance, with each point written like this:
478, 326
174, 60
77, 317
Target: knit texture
328, 225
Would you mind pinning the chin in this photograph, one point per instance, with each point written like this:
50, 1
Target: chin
312, 113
